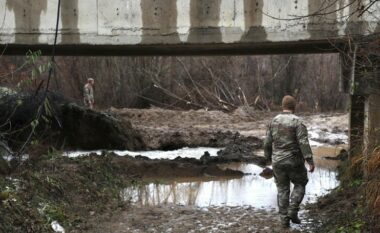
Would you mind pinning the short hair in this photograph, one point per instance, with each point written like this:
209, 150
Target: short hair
90, 79
289, 103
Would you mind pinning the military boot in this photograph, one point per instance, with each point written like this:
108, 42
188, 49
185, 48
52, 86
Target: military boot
294, 218
285, 222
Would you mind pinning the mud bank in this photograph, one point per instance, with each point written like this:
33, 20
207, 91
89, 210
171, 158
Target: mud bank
67, 190
59, 189
146, 168
51, 119
356, 199
168, 129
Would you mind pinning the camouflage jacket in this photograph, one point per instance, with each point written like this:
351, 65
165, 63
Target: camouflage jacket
88, 93
286, 137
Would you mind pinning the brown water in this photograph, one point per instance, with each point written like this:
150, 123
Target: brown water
252, 190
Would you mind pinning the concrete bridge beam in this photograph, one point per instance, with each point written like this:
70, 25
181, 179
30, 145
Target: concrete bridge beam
147, 27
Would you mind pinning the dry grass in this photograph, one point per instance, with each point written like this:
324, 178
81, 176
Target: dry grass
373, 185
354, 169
373, 165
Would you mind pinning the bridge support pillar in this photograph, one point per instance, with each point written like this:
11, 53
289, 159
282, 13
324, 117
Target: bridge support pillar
371, 126
359, 78
356, 124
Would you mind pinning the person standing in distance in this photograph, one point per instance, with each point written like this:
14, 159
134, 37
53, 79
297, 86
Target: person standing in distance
287, 147
88, 93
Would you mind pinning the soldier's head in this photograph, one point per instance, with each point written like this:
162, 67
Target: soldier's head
91, 81
289, 103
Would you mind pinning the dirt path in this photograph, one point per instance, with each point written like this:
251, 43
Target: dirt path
178, 219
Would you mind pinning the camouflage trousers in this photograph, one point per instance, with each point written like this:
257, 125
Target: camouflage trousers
285, 171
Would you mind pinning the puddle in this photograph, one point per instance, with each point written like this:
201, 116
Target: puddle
154, 154
252, 190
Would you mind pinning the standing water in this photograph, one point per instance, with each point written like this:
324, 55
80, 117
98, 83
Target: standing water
252, 189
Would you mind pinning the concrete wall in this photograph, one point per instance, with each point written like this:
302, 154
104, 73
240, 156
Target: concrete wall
181, 25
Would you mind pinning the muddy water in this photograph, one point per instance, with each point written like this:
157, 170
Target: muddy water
252, 190
154, 154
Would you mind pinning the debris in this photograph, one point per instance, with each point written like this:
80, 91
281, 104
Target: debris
267, 173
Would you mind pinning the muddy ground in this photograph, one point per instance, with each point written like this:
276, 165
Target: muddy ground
166, 129
182, 219
169, 129
170, 217
95, 205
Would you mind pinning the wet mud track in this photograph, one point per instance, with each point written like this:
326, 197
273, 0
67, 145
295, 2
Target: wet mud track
178, 219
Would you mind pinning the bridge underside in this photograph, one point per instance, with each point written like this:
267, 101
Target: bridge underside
178, 49
181, 27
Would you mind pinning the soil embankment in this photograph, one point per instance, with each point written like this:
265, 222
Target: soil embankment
169, 129
53, 120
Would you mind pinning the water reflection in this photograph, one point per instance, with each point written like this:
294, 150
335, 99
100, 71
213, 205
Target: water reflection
252, 190
154, 154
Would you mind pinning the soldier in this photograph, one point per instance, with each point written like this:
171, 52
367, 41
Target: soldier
287, 147
88, 93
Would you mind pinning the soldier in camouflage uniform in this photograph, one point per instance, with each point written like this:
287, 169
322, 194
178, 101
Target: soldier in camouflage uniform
88, 93
287, 147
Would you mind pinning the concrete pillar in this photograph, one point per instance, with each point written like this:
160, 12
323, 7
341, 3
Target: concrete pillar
348, 75
359, 71
356, 124
364, 88
371, 127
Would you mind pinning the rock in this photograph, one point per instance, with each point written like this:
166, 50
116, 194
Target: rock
342, 156
241, 150
140, 157
205, 158
267, 173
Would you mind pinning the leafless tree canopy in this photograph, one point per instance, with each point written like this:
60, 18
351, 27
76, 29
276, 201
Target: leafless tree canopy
223, 82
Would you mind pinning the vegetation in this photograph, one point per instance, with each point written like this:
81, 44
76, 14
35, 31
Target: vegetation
357, 199
60, 189
197, 82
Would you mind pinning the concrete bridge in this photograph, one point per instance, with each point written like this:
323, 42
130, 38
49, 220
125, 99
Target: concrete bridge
179, 27
136, 27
